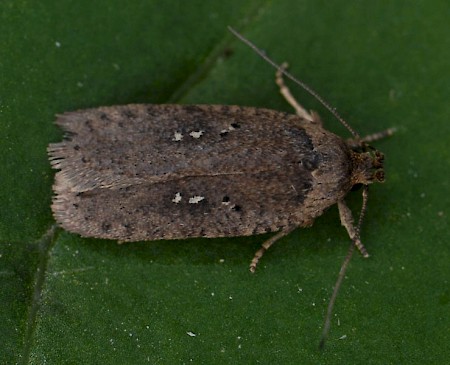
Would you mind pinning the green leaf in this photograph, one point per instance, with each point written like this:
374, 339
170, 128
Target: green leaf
69, 300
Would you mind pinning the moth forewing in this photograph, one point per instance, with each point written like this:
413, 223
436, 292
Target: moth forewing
147, 172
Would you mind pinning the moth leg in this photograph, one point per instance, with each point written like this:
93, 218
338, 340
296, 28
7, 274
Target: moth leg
266, 245
347, 221
379, 135
372, 137
284, 90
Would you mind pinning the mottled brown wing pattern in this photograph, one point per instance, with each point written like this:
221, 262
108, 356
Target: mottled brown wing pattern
145, 172
133, 143
219, 206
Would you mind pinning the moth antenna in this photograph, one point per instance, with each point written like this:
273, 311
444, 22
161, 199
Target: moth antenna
365, 196
337, 286
298, 82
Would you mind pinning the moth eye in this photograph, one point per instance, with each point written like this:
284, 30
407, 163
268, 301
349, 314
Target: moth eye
379, 175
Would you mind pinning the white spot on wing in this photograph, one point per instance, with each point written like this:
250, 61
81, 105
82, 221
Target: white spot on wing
177, 198
196, 199
177, 137
197, 134
229, 129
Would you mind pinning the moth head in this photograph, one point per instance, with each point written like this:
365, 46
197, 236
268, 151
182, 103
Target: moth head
367, 165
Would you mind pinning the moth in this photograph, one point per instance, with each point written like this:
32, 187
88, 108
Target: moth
145, 172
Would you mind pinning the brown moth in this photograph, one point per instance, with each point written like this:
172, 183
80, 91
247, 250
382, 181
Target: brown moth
148, 172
